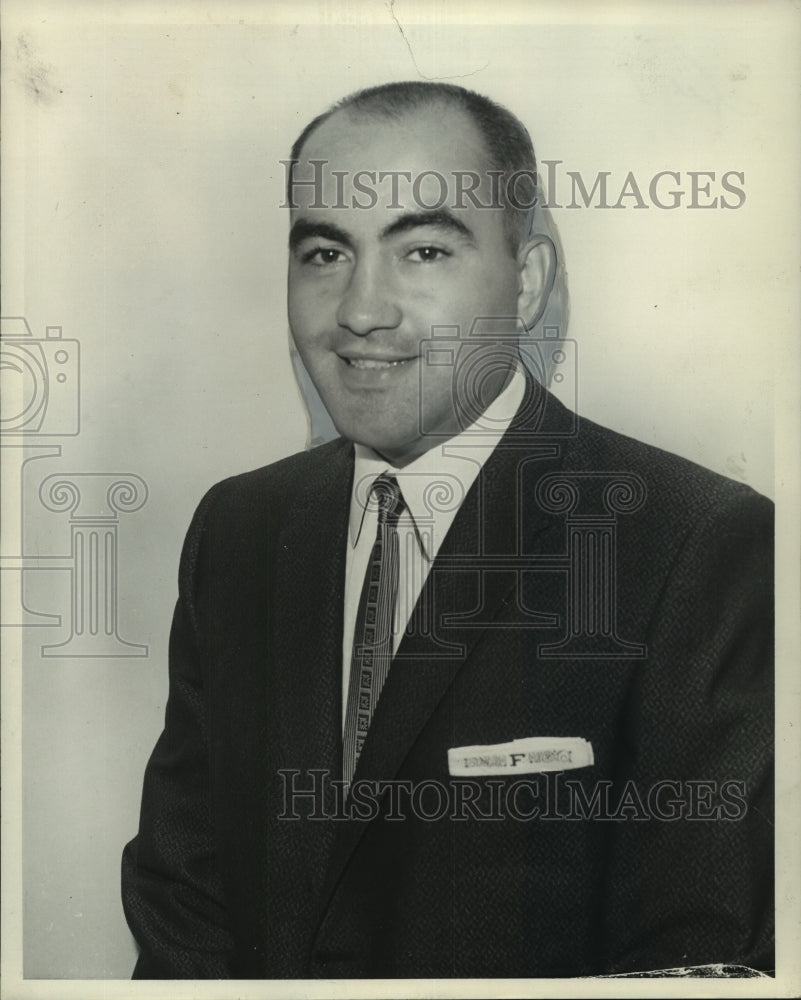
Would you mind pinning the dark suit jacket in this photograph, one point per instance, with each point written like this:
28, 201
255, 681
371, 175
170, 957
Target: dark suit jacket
672, 687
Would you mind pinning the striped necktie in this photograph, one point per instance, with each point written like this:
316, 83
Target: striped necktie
372, 637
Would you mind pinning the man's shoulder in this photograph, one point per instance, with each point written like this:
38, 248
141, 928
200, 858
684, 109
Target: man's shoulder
672, 483
676, 488
276, 491
305, 471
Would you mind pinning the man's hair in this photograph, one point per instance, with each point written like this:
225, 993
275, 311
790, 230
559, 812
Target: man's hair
507, 142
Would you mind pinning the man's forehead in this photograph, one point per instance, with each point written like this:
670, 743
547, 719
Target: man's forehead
436, 130
423, 159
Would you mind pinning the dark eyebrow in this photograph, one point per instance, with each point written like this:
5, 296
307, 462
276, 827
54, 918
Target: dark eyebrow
304, 229
441, 218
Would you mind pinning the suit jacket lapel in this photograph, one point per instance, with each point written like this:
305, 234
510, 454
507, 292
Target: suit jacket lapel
491, 522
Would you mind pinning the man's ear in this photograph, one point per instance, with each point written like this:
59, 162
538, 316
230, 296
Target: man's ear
537, 263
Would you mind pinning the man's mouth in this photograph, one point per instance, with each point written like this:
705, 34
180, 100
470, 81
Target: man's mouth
376, 363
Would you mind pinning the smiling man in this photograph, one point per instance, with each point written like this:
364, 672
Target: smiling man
367, 284
479, 688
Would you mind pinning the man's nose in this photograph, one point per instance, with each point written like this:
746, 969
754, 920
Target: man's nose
368, 302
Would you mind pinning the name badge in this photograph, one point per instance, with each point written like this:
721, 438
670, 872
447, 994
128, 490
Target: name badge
527, 756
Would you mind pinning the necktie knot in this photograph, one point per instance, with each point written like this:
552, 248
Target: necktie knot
389, 499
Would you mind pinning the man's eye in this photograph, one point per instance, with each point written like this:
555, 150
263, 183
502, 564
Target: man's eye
427, 255
322, 256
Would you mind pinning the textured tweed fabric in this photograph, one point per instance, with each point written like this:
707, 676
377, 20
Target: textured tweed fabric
656, 856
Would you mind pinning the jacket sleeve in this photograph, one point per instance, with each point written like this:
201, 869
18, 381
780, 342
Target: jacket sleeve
171, 888
694, 880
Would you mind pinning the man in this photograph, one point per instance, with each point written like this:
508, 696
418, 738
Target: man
477, 689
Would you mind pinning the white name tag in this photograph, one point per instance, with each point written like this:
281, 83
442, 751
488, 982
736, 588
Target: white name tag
526, 756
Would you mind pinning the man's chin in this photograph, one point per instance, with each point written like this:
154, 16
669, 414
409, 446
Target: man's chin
396, 450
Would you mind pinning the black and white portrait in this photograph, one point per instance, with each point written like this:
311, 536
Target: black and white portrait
399, 418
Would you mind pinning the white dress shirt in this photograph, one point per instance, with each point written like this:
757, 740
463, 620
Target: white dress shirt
433, 488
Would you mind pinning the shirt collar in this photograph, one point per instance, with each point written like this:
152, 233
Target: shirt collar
454, 465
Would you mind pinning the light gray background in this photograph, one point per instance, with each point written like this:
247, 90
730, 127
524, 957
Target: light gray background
146, 222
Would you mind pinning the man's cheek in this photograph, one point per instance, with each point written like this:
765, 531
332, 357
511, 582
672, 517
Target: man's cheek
303, 322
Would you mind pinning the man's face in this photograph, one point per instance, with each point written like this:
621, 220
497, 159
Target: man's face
366, 285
